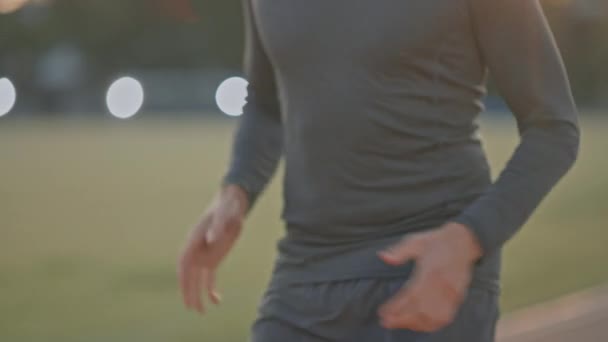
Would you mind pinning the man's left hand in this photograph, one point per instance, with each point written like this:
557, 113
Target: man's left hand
431, 298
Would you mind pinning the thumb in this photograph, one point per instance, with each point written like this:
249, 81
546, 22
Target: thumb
402, 252
216, 229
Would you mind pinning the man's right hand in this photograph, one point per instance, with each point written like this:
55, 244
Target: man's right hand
207, 245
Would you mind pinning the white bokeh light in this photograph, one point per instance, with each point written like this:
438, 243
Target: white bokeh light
231, 96
125, 97
8, 96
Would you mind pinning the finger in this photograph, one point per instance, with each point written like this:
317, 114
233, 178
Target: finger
209, 285
397, 304
403, 321
406, 316
183, 280
402, 252
186, 268
425, 323
194, 289
411, 321
197, 235
408, 296
188, 271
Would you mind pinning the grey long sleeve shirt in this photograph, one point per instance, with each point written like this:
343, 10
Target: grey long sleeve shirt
373, 105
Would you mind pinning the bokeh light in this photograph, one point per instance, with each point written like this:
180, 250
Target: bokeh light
8, 96
125, 97
231, 96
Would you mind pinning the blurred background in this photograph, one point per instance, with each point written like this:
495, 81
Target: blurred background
93, 207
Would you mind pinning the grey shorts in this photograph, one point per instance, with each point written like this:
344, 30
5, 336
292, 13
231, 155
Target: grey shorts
346, 311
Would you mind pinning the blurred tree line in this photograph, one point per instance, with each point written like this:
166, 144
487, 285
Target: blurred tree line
117, 35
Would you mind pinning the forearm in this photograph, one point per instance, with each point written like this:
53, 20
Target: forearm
517, 45
256, 151
258, 141
543, 156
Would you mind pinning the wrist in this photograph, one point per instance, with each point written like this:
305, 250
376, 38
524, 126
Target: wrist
464, 238
236, 193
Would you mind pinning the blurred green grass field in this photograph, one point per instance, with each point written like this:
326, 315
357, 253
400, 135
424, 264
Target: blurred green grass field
92, 214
